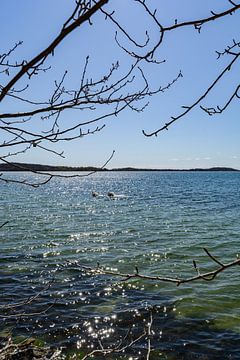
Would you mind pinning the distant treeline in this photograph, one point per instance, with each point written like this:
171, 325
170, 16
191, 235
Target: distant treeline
14, 166
38, 167
195, 169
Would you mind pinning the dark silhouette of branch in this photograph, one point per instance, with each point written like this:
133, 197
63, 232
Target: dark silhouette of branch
207, 276
48, 176
41, 57
197, 102
199, 22
28, 301
11, 310
28, 314
116, 91
218, 110
5, 223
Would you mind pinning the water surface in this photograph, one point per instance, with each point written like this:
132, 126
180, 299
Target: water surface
160, 226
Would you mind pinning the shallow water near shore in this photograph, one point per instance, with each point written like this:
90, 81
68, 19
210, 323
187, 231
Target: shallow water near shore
160, 226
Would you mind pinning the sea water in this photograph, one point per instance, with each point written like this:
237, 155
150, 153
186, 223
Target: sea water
161, 224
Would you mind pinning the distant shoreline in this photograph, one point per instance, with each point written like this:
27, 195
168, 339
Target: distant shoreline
39, 167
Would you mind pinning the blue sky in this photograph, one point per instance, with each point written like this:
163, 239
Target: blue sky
197, 140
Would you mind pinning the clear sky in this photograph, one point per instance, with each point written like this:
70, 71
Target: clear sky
196, 140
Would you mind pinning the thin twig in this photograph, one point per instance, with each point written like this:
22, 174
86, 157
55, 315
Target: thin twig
207, 276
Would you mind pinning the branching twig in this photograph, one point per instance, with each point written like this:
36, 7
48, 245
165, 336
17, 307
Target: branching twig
66, 30
27, 301
21, 350
108, 95
207, 276
118, 348
13, 307
198, 101
48, 176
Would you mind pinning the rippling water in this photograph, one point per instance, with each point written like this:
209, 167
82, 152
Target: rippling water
160, 226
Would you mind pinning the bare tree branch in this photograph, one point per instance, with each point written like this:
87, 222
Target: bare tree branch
112, 93
41, 57
199, 22
198, 101
120, 347
5, 223
48, 176
207, 276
